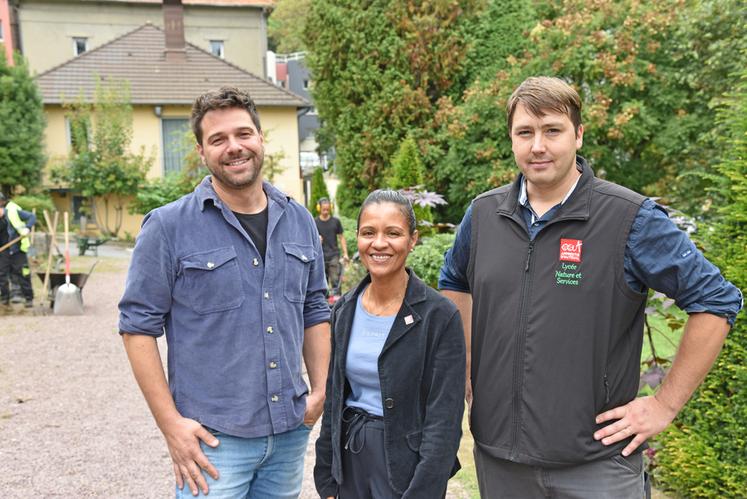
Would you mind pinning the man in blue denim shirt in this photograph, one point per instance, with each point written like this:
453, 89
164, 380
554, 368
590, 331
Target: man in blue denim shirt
550, 275
233, 273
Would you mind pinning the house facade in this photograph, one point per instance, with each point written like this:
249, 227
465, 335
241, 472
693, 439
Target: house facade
164, 75
50, 32
6, 32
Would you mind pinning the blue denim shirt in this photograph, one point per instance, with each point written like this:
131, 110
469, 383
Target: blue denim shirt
658, 255
234, 322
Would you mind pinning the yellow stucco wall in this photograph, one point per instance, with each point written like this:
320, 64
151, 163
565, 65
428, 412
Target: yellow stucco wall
48, 28
281, 133
279, 124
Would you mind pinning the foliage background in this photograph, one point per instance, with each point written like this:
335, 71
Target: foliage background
101, 163
703, 453
380, 68
21, 127
651, 76
318, 190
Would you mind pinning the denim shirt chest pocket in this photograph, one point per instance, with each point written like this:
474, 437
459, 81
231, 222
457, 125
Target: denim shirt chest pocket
298, 259
212, 280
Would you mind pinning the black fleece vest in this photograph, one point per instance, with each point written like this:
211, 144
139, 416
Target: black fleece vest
556, 331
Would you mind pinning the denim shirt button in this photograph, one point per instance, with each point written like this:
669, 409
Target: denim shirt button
267, 295
210, 265
389, 403
274, 398
304, 258
255, 262
273, 365
270, 330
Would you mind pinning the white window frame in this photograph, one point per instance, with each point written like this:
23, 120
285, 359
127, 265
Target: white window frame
165, 140
221, 44
84, 39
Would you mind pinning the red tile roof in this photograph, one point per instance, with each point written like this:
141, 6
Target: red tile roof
219, 3
138, 57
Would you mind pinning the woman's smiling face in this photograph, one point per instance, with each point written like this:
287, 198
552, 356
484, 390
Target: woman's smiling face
384, 239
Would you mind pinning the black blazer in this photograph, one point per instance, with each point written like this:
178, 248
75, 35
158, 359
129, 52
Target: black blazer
422, 376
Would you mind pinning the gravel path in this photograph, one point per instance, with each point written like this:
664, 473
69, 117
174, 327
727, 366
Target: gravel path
72, 420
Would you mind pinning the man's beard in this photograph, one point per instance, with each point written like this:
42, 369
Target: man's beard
243, 179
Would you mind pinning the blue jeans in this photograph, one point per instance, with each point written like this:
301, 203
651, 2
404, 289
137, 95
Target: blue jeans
255, 468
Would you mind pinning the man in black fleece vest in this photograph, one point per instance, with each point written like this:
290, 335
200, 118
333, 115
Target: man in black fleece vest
551, 275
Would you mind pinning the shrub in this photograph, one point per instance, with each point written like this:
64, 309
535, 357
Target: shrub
428, 256
703, 453
348, 231
38, 202
161, 191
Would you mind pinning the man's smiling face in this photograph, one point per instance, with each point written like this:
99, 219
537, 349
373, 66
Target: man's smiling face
232, 148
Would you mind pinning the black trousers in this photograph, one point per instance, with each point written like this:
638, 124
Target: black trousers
363, 460
364, 473
16, 268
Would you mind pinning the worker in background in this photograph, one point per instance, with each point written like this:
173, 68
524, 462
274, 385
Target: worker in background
14, 263
330, 230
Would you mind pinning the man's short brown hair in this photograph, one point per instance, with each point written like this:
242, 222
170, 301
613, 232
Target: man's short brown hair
224, 98
540, 94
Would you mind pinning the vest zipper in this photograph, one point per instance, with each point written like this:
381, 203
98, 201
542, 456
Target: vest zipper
519, 355
606, 390
529, 256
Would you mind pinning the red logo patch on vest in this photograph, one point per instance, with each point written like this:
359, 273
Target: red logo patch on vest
570, 250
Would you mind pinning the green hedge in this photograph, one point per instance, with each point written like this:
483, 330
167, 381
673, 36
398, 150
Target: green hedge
38, 202
704, 454
428, 256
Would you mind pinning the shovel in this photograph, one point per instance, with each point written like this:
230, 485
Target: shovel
51, 226
68, 300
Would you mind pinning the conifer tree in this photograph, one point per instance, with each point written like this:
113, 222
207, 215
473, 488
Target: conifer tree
407, 170
21, 126
318, 190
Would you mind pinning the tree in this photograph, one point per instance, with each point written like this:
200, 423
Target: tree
380, 67
286, 25
703, 453
709, 49
639, 68
649, 74
474, 152
21, 127
318, 190
407, 172
101, 164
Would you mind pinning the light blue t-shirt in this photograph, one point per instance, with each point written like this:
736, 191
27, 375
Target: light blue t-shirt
367, 338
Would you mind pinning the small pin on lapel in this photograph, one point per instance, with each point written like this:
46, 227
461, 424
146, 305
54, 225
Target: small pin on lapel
409, 320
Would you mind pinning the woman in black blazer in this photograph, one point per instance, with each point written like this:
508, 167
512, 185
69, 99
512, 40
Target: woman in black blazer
395, 391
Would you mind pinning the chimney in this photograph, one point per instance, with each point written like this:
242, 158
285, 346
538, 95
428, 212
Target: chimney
173, 23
